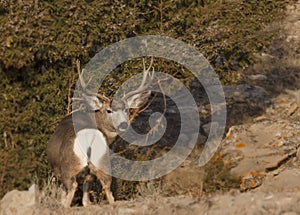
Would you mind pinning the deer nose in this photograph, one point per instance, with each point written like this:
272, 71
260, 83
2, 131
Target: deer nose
123, 126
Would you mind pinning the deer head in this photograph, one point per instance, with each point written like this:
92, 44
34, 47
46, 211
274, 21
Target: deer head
111, 115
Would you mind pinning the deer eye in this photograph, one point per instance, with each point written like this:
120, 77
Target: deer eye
108, 110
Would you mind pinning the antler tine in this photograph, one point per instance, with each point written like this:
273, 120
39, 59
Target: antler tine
102, 97
80, 74
146, 71
78, 109
84, 85
142, 86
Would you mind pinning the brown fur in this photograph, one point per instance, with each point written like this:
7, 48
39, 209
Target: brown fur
65, 163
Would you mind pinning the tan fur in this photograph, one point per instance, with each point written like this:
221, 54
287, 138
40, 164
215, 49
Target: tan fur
65, 164
60, 150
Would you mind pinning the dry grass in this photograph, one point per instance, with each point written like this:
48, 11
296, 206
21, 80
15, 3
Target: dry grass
52, 193
149, 190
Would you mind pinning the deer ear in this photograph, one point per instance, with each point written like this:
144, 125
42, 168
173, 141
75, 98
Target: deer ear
138, 100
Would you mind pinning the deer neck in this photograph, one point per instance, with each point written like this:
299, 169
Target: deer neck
109, 135
109, 132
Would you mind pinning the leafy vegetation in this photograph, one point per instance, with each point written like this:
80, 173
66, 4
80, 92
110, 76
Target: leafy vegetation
40, 41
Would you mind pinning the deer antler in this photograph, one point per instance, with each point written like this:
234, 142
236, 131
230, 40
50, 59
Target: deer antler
84, 85
143, 86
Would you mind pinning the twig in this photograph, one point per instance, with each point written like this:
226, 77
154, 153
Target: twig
164, 96
161, 16
70, 88
5, 139
160, 9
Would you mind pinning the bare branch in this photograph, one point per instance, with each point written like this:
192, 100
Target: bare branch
143, 86
5, 139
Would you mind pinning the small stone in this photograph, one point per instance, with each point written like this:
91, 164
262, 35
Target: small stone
19, 202
210, 127
260, 118
201, 139
258, 77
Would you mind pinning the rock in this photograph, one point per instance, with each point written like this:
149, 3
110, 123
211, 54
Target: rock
206, 128
261, 146
251, 181
287, 181
244, 92
210, 127
293, 108
20, 202
296, 95
201, 139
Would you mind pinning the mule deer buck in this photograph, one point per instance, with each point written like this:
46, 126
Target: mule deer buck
71, 152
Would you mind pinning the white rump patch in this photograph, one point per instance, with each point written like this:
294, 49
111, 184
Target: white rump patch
90, 145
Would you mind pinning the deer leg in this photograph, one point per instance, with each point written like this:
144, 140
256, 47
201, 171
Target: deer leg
71, 187
86, 198
106, 182
99, 164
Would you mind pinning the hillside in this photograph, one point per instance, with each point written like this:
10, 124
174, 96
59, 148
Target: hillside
256, 169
